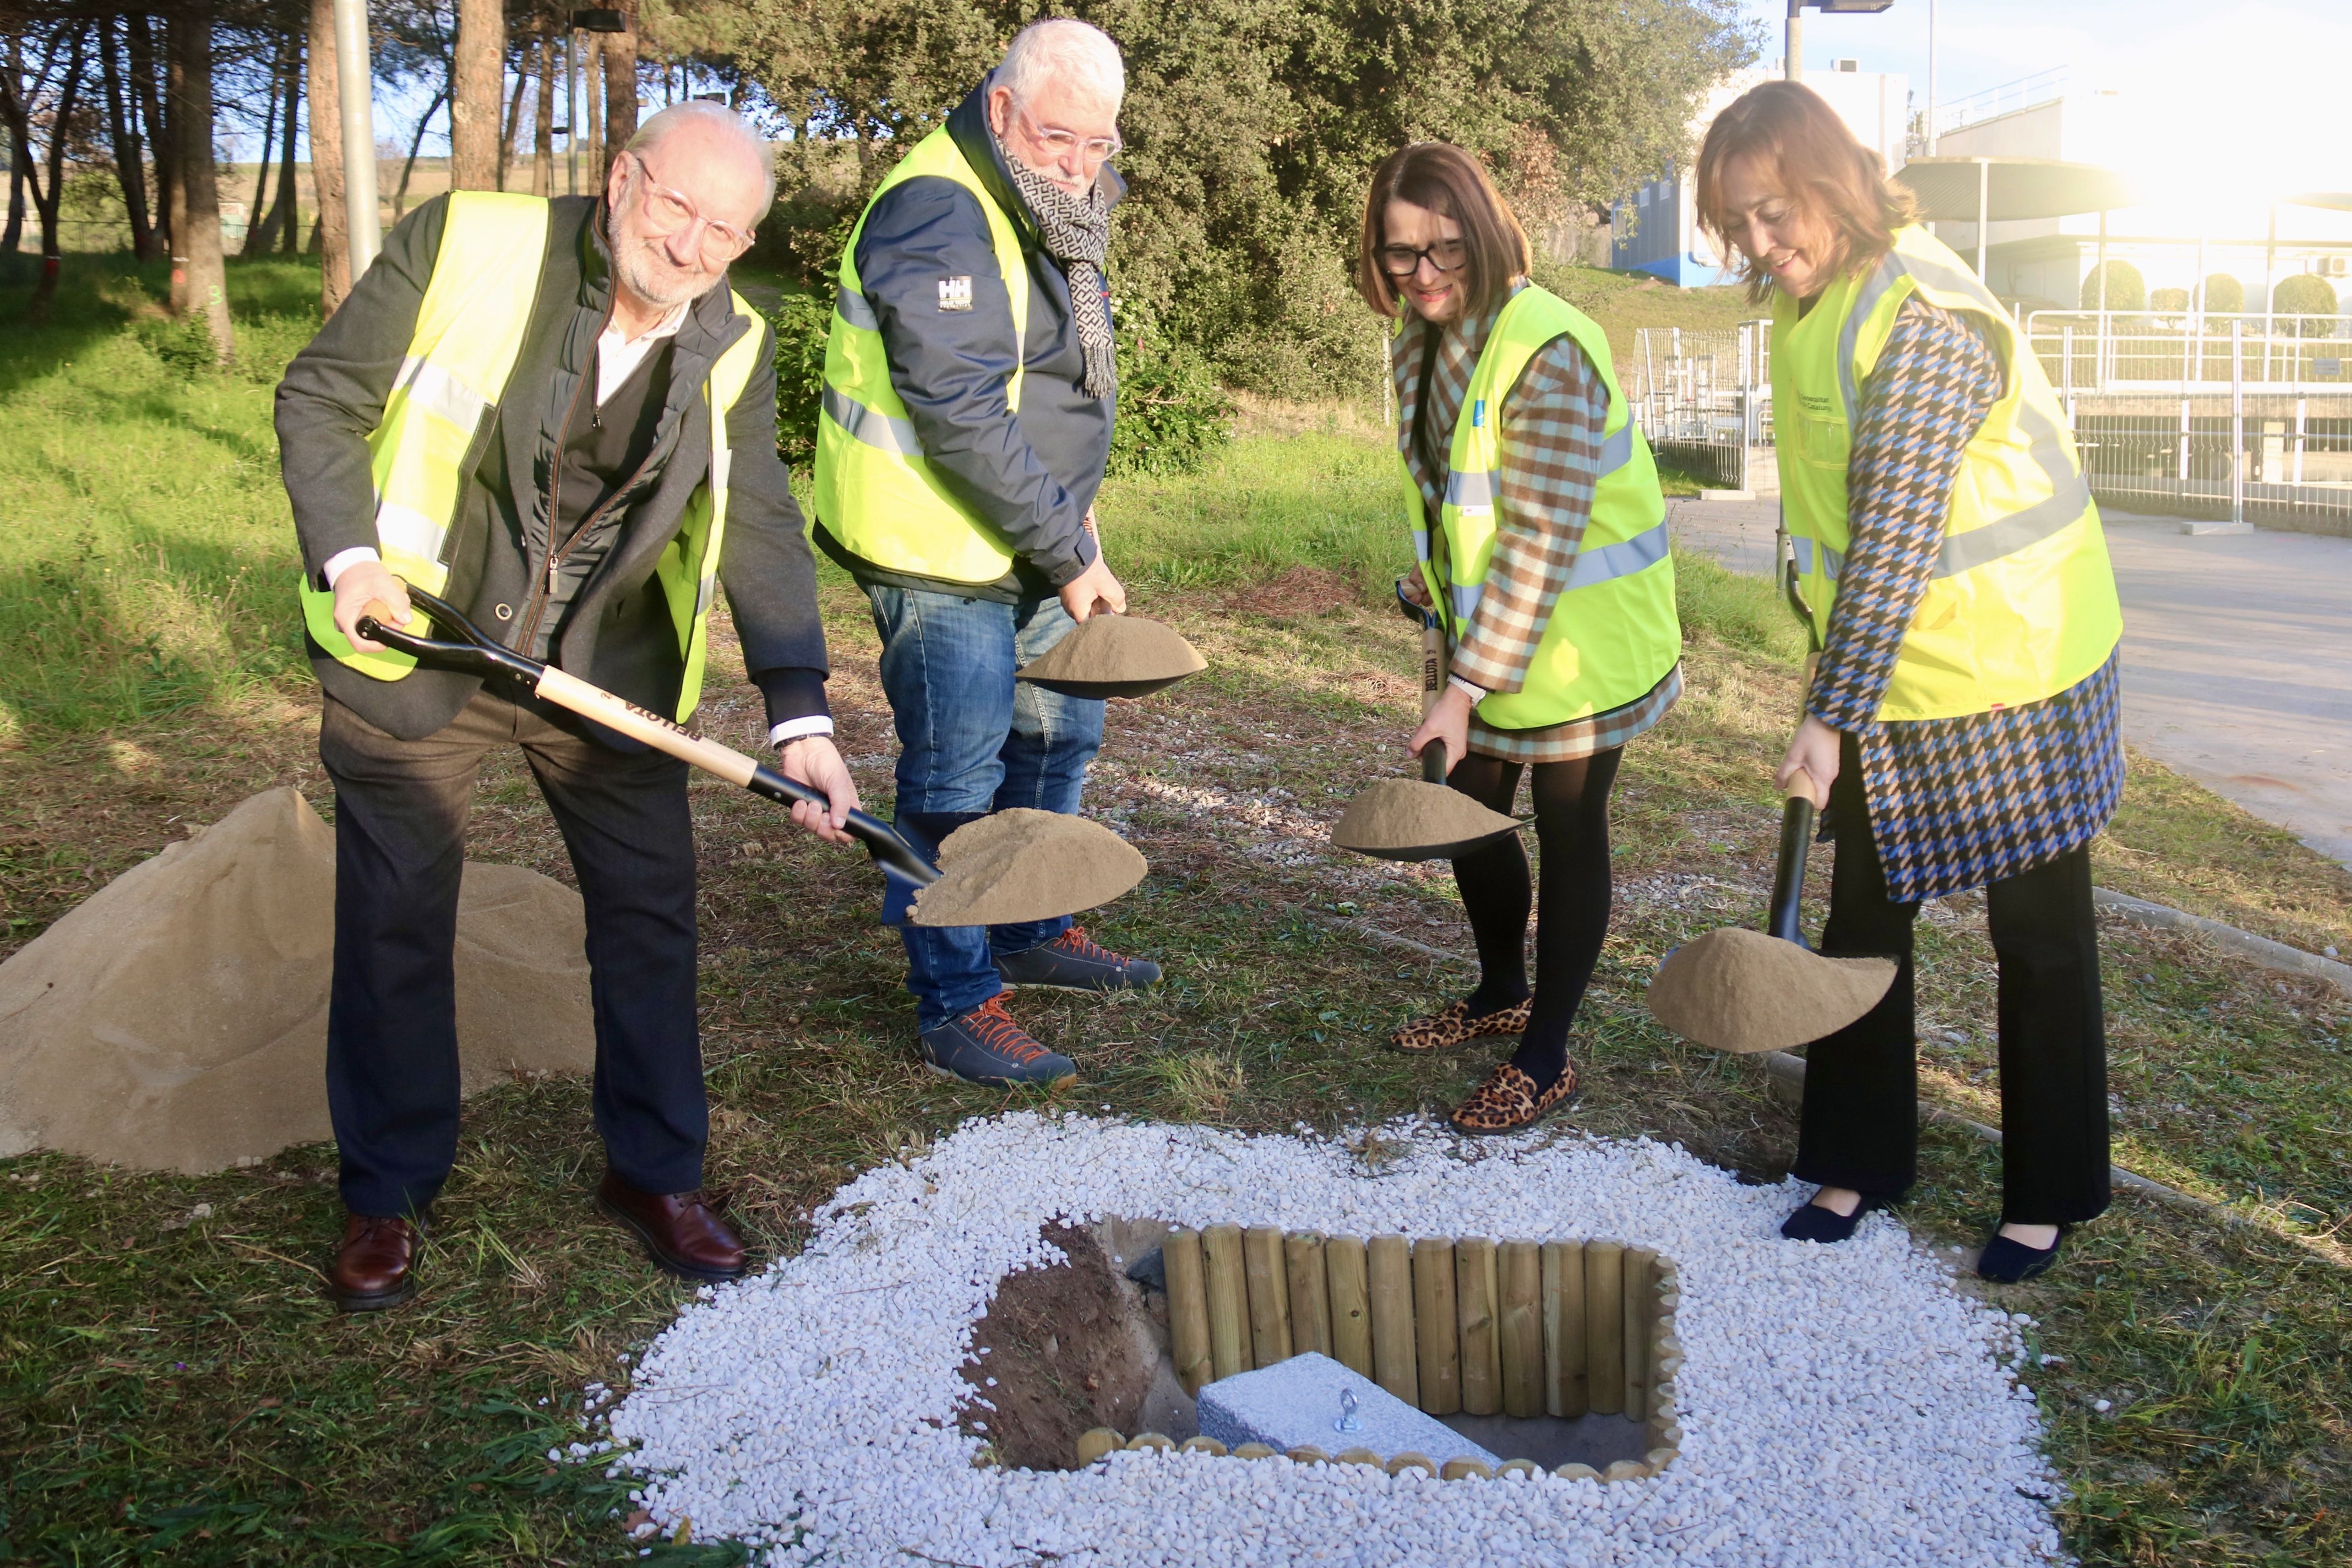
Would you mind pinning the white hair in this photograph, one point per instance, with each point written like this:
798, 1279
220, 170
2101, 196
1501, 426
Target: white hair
1064, 49
717, 117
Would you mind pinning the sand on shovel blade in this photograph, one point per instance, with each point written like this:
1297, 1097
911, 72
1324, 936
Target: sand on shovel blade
1024, 865
1115, 655
1744, 991
1396, 818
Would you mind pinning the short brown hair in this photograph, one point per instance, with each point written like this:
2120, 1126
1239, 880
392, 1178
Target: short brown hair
1451, 183
1836, 183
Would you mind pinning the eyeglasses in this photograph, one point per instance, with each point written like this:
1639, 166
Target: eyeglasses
1403, 260
1092, 151
668, 211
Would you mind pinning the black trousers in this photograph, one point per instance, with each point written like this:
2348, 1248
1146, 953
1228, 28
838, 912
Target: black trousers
400, 808
1860, 1125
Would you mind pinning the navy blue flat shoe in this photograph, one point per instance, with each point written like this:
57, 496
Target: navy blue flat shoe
1815, 1223
2008, 1262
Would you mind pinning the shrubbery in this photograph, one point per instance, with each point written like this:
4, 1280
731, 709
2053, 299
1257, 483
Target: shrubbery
2115, 286
2309, 295
2175, 300
2222, 295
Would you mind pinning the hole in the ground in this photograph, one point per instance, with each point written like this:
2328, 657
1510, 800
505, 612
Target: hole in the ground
1073, 1358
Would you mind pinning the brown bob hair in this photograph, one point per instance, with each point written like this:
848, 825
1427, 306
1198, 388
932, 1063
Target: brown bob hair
1449, 182
1838, 187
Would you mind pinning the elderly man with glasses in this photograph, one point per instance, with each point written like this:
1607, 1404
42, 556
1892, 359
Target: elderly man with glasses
969, 384
555, 416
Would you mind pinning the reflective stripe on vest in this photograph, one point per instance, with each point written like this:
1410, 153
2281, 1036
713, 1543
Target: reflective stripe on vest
875, 488
470, 329
2020, 602
1619, 637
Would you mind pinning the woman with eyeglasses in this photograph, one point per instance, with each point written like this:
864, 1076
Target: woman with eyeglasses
1540, 532
1962, 717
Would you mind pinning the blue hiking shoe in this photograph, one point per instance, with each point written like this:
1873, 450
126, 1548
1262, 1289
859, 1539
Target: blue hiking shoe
985, 1046
1073, 962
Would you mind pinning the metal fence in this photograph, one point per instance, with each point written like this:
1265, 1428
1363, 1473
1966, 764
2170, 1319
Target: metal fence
2247, 416
1703, 398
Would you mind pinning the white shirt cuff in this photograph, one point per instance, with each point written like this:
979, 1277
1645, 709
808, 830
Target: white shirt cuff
343, 560
794, 729
1471, 690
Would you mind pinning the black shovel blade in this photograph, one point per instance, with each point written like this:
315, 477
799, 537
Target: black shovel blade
1460, 846
1100, 689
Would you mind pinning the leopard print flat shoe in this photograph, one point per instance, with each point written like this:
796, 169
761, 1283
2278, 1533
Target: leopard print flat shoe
1507, 1101
1452, 1027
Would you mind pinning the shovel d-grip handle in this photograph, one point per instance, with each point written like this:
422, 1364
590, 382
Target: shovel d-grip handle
481, 655
1432, 762
1797, 814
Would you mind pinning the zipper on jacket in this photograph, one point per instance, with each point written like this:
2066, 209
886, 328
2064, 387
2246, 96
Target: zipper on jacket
541, 594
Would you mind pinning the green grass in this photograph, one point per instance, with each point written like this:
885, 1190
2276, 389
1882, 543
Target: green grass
173, 1389
151, 558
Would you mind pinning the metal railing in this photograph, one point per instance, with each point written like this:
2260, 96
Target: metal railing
1703, 397
2242, 416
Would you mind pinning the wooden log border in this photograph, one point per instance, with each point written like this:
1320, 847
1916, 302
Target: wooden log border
1558, 1327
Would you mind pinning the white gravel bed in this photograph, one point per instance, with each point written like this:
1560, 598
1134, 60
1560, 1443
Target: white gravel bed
1840, 1405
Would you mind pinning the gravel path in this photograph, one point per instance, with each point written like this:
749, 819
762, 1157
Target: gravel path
810, 1409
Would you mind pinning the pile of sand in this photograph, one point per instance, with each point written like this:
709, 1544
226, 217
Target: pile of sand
1406, 819
1024, 865
1744, 991
177, 1018
1115, 655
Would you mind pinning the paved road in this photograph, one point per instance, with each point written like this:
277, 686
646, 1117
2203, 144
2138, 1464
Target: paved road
2237, 656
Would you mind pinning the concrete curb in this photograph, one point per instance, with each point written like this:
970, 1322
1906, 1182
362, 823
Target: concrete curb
1785, 1074
2245, 944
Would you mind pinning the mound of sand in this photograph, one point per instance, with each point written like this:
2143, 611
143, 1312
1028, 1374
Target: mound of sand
177, 1018
1115, 655
1406, 819
1024, 865
1744, 991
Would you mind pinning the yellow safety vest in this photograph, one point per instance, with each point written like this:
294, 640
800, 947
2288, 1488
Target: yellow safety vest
469, 331
875, 490
1613, 633
2022, 602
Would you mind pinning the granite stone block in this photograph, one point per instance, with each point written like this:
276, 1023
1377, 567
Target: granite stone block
1293, 1403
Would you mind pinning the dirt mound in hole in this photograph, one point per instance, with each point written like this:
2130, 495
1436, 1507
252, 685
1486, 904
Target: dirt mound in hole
1299, 591
1070, 1348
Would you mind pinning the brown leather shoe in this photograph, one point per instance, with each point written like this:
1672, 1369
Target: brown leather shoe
682, 1233
375, 1266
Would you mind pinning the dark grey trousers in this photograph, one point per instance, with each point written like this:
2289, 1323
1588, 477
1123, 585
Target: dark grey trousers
400, 808
1861, 1124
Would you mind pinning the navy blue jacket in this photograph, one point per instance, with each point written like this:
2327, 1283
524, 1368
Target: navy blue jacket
1032, 475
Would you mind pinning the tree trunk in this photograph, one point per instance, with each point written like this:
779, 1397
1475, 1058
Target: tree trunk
620, 87
514, 116
477, 74
542, 157
326, 159
285, 208
129, 158
400, 192
201, 285
14, 102
20, 157
592, 111
141, 52
246, 247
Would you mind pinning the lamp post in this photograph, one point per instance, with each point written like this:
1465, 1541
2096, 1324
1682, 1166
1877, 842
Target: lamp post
1793, 47
355, 85
588, 21
1931, 78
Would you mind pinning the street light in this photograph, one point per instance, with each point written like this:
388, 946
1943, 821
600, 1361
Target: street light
1793, 47
587, 21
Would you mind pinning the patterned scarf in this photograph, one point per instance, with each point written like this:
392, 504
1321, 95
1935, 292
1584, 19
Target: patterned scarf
1077, 233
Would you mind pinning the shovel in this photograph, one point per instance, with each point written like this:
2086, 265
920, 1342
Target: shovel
1747, 990
1113, 655
481, 654
1400, 819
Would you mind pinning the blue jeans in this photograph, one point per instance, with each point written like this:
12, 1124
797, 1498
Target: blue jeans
971, 739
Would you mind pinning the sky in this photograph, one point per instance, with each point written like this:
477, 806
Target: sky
2221, 107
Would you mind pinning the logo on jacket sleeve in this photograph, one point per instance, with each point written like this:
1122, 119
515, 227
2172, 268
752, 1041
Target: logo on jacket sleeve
955, 294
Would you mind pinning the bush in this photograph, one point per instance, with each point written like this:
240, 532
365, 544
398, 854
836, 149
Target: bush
1171, 413
2309, 295
802, 322
2172, 300
185, 343
2118, 286
2223, 295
